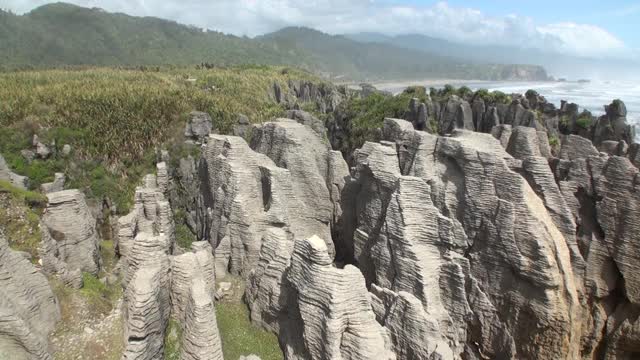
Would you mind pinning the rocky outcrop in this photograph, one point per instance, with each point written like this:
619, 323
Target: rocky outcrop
146, 238
70, 223
151, 214
160, 284
319, 311
146, 310
292, 173
309, 120
14, 179
316, 172
28, 307
613, 125
200, 334
326, 96
198, 126
55, 186
337, 319
53, 262
444, 229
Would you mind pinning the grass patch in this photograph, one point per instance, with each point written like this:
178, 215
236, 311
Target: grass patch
20, 221
101, 297
30, 198
184, 236
241, 337
108, 255
173, 341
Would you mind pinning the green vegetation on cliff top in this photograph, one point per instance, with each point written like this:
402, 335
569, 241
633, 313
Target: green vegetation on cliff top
116, 119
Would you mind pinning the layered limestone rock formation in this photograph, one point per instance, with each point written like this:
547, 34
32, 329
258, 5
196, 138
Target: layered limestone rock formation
146, 238
319, 311
458, 248
292, 180
75, 238
327, 97
159, 285
482, 112
28, 308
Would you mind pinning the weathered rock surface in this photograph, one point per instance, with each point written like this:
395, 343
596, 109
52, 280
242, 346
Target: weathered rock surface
294, 176
146, 238
146, 312
444, 230
309, 120
159, 285
42, 151
53, 264
7, 175
338, 322
319, 311
201, 340
28, 307
69, 220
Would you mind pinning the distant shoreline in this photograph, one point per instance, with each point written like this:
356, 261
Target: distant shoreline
396, 85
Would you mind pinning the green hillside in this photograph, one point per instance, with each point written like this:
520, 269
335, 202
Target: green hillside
57, 35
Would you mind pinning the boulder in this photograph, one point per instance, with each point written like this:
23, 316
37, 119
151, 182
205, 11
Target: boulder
455, 114
55, 186
242, 126
14, 179
613, 125
42, 151
69, 220
28, 155
66, 150
198, 126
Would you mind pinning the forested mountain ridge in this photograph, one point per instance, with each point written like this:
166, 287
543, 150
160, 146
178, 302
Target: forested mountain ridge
61, 34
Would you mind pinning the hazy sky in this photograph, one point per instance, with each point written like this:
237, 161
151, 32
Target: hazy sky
585, 27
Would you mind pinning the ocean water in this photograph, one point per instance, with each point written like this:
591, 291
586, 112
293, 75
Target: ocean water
591, 96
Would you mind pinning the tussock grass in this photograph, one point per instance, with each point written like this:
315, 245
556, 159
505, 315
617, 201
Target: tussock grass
116, 119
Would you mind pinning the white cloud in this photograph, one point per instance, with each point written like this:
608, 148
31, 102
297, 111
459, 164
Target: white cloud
583, 39
254, 17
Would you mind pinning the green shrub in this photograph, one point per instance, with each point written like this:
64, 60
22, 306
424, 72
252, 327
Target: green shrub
100, 296
531, 93
584, 120
464, 92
